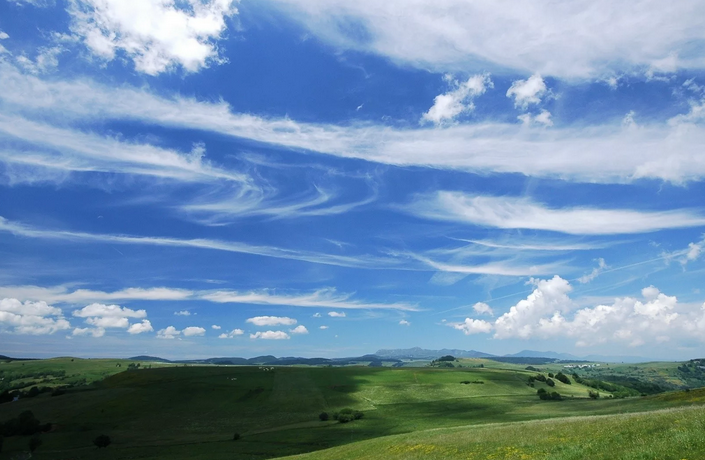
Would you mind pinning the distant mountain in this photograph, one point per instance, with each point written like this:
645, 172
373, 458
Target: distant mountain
421, 353
373, 360
569, 357
149, 358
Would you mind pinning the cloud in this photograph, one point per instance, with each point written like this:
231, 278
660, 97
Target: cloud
364, 261
232, 334
451, 104
270, 335
690, 254
139, 328
168, 333
156, 34
111, 316
323, 327
609, 152
522, 213
601, 266
182, 313
64, 295
526, 92
300, 329
549, 312
543, 118
86, 331
404, 323
193, 331
316, 315
576, 40
33, 318
335, 314
3, 35
321, 298
215, 327
482, 308
271, 321
108, 311
472, 326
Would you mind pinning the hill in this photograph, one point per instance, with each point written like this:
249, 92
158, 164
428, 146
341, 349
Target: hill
421, 353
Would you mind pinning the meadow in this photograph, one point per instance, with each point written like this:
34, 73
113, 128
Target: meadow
193, 412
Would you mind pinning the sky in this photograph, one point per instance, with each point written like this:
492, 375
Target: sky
201, 178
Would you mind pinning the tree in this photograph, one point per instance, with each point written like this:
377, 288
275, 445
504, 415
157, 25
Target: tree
593, 394
446, 358
34, 442
550, 383
561, 377
323, 416
236, 436
550, 374
102, 441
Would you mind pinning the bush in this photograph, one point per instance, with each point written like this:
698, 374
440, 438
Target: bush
102, 441
550, 374
540, 378
446, 358
357, 415
561, 377
236, 436
345, 418
323, 416
546, 396
34, 443
593, 394
550, 383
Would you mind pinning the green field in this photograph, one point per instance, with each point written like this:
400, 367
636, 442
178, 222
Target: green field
180, 412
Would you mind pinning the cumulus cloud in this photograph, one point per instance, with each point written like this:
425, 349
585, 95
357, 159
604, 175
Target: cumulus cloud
156, 35
168, 333
323, 327
271, 321
449, 105
193, 331
543, 118
601, 266
35, 318
232, 334
316, 315
526, 92
182, 313
88, 331
522, 213
549, 312
690, 254
139, 328
270, 335
472, 326
482, 308
301, 329
215, 327
404, 323
336, 314
3, 35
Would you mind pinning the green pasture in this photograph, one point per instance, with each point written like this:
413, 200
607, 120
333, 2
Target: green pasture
192, 412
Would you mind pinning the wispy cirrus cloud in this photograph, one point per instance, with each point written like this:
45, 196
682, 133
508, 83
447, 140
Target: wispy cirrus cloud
522, 213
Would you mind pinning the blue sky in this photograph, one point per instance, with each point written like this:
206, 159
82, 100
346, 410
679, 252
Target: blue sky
319, 178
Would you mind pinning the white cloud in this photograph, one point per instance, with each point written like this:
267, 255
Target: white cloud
193, 331
156, 34
109, 321
543, 118
404, 323
336, 314
316, 315
3, 35
109, 311
522, 213
526, 92
451, 104
231, 334
323, 327
271, 321
270, 335
482, 308
35, 318
168, 333
599, 153
300, 329
94, 332
46, 60
139, 328
472, 326
63, 294
580, 39
601, 266
215, 327
318, 299
182, 313
690, 254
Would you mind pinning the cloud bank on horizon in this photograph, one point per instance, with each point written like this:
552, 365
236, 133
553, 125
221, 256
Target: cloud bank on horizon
330, 178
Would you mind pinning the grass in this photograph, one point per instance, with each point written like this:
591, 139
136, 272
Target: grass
192, 412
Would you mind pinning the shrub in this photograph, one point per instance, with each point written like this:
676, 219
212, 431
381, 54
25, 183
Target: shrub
446, 358
593, 394
236, 436
561, 377
323, 416
345, 418
550, 374
102, 441
550, 383
540, 377
357, 415
555, 396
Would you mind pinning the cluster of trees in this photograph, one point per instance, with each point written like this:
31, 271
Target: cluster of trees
25, 424
546, 396
549, 380
343, 416
467, 382
621, 386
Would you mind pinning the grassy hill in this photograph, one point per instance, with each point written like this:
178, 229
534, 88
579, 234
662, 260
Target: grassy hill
193, 412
